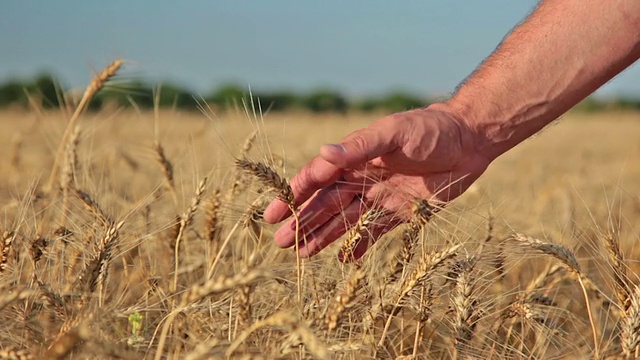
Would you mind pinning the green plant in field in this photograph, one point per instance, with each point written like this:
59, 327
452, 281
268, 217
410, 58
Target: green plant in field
135, 319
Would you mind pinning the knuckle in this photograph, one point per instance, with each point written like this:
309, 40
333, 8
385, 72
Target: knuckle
304, 180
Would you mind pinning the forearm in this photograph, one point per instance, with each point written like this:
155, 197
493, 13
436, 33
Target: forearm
562, 53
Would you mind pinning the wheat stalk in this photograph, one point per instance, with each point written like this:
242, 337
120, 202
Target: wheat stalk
291, 324
96, 84
201, 291
185, 221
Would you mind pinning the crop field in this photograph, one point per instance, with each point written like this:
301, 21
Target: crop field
145, 240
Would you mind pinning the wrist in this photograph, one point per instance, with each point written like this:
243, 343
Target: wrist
472, 140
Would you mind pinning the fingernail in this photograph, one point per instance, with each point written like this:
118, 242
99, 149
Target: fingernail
337, 147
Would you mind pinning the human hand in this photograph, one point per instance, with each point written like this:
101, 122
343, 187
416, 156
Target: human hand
425, 153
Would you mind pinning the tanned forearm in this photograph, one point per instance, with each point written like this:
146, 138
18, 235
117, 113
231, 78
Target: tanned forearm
562, 53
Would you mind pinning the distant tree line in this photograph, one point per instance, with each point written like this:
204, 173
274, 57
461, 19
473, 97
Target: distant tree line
45, 91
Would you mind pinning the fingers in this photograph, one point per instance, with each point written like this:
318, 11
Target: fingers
315, 175
324, 236
364, 145
326, 204
356, 149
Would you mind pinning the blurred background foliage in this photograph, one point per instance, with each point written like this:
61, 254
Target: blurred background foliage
47, 92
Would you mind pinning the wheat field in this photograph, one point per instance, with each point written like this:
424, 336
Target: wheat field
148, 243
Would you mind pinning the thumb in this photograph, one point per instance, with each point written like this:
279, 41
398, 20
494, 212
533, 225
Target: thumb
360, 147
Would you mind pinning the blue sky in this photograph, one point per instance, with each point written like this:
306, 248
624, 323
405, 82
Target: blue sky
426, 47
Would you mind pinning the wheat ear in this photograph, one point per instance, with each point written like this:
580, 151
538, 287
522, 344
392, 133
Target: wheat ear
630, 331
464, 305
268, 177
344, 300
568, 258
423, 272
5, 247
617, 263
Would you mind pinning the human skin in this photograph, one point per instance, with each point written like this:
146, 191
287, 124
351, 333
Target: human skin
560, 54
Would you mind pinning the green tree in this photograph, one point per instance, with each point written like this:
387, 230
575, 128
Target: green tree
401, 101
278, 101
368, 105
227, 96
12, 93
174, 96
325, 100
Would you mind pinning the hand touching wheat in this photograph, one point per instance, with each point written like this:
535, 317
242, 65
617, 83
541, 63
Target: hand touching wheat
426, 153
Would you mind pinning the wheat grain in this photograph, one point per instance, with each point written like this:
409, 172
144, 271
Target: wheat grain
5, 248
630, 326
13, 353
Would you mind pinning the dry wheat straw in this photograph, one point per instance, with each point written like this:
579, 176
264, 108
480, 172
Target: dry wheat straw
206, 289
8, 297
72, 333
222, 284
185, 220
16, 148
202, 350
293, 325
96, 84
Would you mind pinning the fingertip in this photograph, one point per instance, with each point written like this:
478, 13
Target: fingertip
334, 154
284, 237
275, 212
